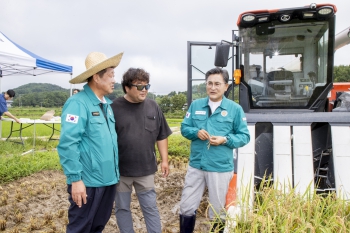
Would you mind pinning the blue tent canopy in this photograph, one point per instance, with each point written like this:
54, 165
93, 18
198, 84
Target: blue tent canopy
16, 60
46, 64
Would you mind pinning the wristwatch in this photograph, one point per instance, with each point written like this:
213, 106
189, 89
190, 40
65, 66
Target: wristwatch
225, 141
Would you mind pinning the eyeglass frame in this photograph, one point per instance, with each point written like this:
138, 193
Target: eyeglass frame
214, 84
138, 86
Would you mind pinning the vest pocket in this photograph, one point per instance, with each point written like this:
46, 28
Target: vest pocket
200, 121
96, 127
224, 123
150, 123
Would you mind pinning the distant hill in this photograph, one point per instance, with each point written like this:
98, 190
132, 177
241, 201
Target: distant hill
49, 95
38, 87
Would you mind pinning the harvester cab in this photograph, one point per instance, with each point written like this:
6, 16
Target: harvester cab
286, 58
282, 71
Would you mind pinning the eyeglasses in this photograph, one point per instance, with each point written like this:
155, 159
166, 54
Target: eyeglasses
216, 84
140, 87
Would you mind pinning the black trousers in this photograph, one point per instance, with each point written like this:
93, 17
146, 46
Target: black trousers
94, 215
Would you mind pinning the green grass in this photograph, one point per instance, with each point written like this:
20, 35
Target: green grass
174, 122
41, 130
18, 161
31, 112
14, 166
178, 146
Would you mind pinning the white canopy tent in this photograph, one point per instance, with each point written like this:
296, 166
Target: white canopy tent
17, 61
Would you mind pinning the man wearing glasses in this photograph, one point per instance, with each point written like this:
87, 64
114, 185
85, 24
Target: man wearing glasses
139, 124
215, 125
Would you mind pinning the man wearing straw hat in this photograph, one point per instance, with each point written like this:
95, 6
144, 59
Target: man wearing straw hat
88, 148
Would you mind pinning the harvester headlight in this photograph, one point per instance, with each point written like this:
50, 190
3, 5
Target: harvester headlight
308, 15
263, 19
248, 18
325, 11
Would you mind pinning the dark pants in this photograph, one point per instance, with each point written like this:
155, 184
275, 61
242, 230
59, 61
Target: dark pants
94, 215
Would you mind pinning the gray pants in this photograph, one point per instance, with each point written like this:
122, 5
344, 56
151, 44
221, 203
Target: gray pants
195, 183
144, 188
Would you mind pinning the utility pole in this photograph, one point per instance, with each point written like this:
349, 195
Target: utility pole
20, 101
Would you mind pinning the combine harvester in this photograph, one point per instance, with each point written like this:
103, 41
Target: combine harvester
341, 39
282, 63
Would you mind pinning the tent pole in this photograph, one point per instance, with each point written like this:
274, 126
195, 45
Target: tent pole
70, 93
0, 116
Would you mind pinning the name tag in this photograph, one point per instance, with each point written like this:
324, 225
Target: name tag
200, 112
95, 113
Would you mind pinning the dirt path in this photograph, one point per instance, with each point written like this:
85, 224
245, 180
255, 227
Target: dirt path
38, 203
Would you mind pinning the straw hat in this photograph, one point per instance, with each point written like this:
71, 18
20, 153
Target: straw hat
94, 63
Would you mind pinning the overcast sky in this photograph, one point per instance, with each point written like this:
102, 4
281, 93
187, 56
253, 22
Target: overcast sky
153, 34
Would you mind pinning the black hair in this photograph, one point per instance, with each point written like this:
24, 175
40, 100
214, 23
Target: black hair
100, 74
134, 74
11, 93
218, 70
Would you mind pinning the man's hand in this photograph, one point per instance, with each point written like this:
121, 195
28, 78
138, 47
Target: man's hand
203, 135
216, 140
79, 193
163, 151
165, 168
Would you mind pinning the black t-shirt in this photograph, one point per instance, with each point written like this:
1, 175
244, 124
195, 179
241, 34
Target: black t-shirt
138, 126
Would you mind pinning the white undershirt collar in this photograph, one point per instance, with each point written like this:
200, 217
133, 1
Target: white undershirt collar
103, 99
214, 105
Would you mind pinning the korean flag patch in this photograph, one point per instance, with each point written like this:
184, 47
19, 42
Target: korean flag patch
72, 118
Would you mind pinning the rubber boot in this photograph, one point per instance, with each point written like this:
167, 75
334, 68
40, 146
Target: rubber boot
187, 223
218, 227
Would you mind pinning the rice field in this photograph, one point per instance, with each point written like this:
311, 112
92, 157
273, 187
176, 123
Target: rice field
272, 210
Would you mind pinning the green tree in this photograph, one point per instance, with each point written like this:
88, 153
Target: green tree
199, 91
151, 95
178, 102
164, 103
171, 94
342, 73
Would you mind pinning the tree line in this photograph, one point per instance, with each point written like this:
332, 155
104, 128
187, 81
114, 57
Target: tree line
341, 73
50, 95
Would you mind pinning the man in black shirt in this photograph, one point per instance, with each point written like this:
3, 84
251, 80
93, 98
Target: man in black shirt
139, 124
